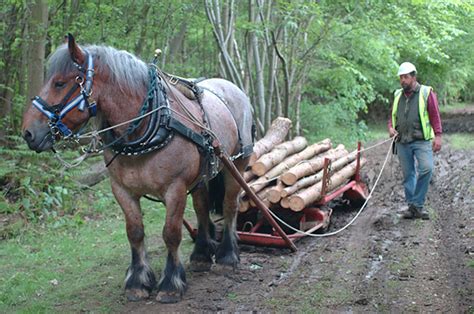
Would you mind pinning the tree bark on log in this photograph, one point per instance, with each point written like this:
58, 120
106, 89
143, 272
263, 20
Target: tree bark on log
312, 194
293, 160
313, 179
311, 166
260, 183
279, 153
262, 195
275, 135
248, 176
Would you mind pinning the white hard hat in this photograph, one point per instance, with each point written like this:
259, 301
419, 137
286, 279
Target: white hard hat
405, 68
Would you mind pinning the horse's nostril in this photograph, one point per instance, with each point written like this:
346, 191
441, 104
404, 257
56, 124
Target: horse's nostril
28, 136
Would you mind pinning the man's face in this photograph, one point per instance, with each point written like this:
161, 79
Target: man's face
407, 81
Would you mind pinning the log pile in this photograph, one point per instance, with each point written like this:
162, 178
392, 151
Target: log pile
289, 174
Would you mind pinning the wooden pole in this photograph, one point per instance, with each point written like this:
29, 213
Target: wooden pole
260, 205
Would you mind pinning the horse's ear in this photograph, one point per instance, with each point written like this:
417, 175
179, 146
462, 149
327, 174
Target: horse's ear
77, 55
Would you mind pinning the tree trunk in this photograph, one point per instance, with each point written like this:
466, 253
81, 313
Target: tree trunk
143, 30
37, 30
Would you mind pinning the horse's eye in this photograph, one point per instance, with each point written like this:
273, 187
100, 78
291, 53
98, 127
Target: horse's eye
59, 84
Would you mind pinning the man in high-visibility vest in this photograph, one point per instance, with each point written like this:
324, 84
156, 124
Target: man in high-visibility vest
416, 123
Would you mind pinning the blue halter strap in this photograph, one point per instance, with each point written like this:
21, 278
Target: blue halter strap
56, 113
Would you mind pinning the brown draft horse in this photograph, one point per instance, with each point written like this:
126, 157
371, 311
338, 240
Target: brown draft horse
165, 160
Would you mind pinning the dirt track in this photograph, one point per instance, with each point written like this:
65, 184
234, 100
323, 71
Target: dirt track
381, 263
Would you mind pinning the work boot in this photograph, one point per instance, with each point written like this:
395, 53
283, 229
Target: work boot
422, 213
409, 213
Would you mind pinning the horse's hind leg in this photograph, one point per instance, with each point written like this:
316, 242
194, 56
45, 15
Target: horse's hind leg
140, 279
173, 280
204, 247
228, 250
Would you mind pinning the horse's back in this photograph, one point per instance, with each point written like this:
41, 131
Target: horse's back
237, 103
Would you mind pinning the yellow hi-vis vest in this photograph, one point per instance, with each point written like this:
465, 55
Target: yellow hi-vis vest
428, 132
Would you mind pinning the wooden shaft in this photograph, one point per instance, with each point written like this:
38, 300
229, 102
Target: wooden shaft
260, 205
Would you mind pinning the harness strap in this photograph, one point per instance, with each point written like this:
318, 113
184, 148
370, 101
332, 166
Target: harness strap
195, 137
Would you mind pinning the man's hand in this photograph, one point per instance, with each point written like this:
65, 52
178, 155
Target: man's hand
392, 132
437, 143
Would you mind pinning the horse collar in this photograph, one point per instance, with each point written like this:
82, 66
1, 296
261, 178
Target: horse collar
160, 128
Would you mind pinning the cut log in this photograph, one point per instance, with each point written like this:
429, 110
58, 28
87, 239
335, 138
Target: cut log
277, 154
312, 194
262, 195
274, 193
275, 135
285, 202
311, 166
260, 183
294, 159
248, 176
313, 179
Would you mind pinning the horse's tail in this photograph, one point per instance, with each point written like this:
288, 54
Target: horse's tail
216, 194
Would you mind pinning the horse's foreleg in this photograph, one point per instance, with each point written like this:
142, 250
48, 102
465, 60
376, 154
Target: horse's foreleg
173, 280
205, 246
140, 279
228, 250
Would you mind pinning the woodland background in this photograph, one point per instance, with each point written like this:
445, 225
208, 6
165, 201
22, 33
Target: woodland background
330, 66
321, 63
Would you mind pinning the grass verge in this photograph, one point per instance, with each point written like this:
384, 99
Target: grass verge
77, 267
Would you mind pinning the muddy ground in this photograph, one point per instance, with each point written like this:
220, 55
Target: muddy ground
381, 263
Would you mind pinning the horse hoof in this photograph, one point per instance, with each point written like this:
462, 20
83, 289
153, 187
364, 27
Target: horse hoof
134, 295
168, 297
200, 266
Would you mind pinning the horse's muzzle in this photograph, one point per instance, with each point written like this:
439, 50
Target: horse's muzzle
38, 140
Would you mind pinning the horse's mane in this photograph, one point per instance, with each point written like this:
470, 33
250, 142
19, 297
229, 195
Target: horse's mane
126, 70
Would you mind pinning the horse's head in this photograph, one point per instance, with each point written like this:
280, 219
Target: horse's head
64, 103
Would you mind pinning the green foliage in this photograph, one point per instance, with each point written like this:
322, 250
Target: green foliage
42, 191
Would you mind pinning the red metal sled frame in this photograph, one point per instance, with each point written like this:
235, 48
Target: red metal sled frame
317, 218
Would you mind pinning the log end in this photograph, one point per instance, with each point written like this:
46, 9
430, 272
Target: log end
285, 202
274, 196
258, 169
288, 178
296, 203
